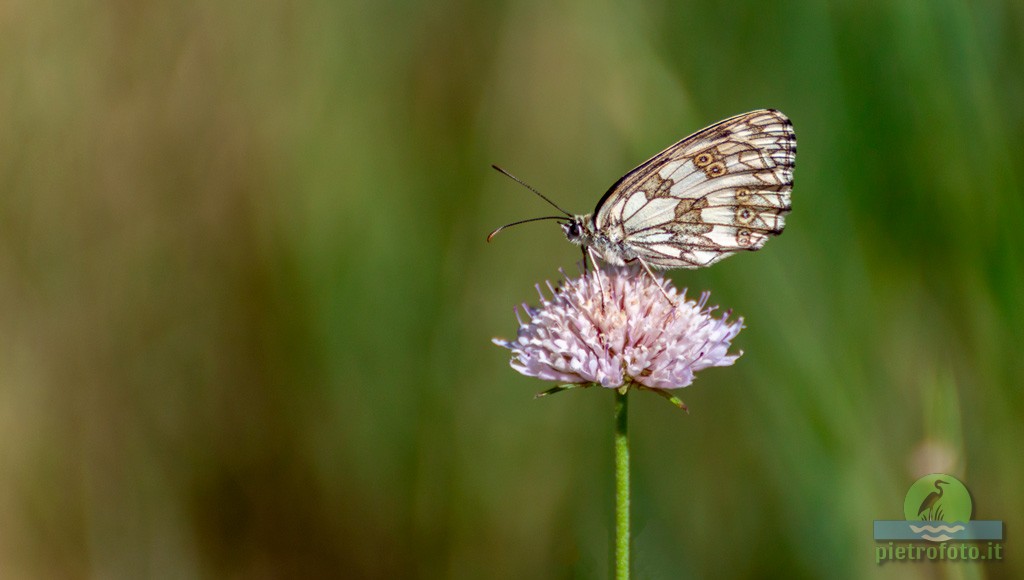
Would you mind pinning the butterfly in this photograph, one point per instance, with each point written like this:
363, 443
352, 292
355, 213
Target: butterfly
722, 190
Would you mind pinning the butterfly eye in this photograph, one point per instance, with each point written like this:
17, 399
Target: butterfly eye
574, 230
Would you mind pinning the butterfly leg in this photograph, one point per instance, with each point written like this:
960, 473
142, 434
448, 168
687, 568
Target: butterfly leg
661, 286
597, 272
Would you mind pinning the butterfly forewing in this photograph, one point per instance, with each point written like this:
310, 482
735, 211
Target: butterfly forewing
721, 190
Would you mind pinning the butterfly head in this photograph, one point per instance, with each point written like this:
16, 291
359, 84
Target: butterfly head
577, 230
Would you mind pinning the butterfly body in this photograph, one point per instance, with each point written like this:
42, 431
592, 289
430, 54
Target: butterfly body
719, 191
582, 232
722, 190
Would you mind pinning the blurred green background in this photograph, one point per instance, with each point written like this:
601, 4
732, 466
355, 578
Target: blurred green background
247, 303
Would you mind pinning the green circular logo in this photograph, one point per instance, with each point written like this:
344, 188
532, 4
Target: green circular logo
938, 498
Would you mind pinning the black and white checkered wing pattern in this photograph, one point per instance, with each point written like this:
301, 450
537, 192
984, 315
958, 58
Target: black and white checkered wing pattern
721, 190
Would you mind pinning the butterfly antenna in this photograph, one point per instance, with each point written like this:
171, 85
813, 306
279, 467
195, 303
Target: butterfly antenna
527, 186
536, 219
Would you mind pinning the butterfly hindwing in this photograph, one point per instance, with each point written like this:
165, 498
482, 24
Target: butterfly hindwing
721, 190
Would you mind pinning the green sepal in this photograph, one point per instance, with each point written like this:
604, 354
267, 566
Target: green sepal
668, 396
561, 388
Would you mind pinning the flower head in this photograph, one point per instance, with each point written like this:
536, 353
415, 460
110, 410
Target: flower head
617, 327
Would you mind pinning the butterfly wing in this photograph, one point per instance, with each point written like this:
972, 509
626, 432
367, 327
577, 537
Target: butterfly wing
721, 190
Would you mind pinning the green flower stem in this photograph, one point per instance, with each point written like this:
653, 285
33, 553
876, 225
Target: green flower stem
621, 486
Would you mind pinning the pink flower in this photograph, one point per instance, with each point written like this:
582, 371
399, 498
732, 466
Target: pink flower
615, 327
